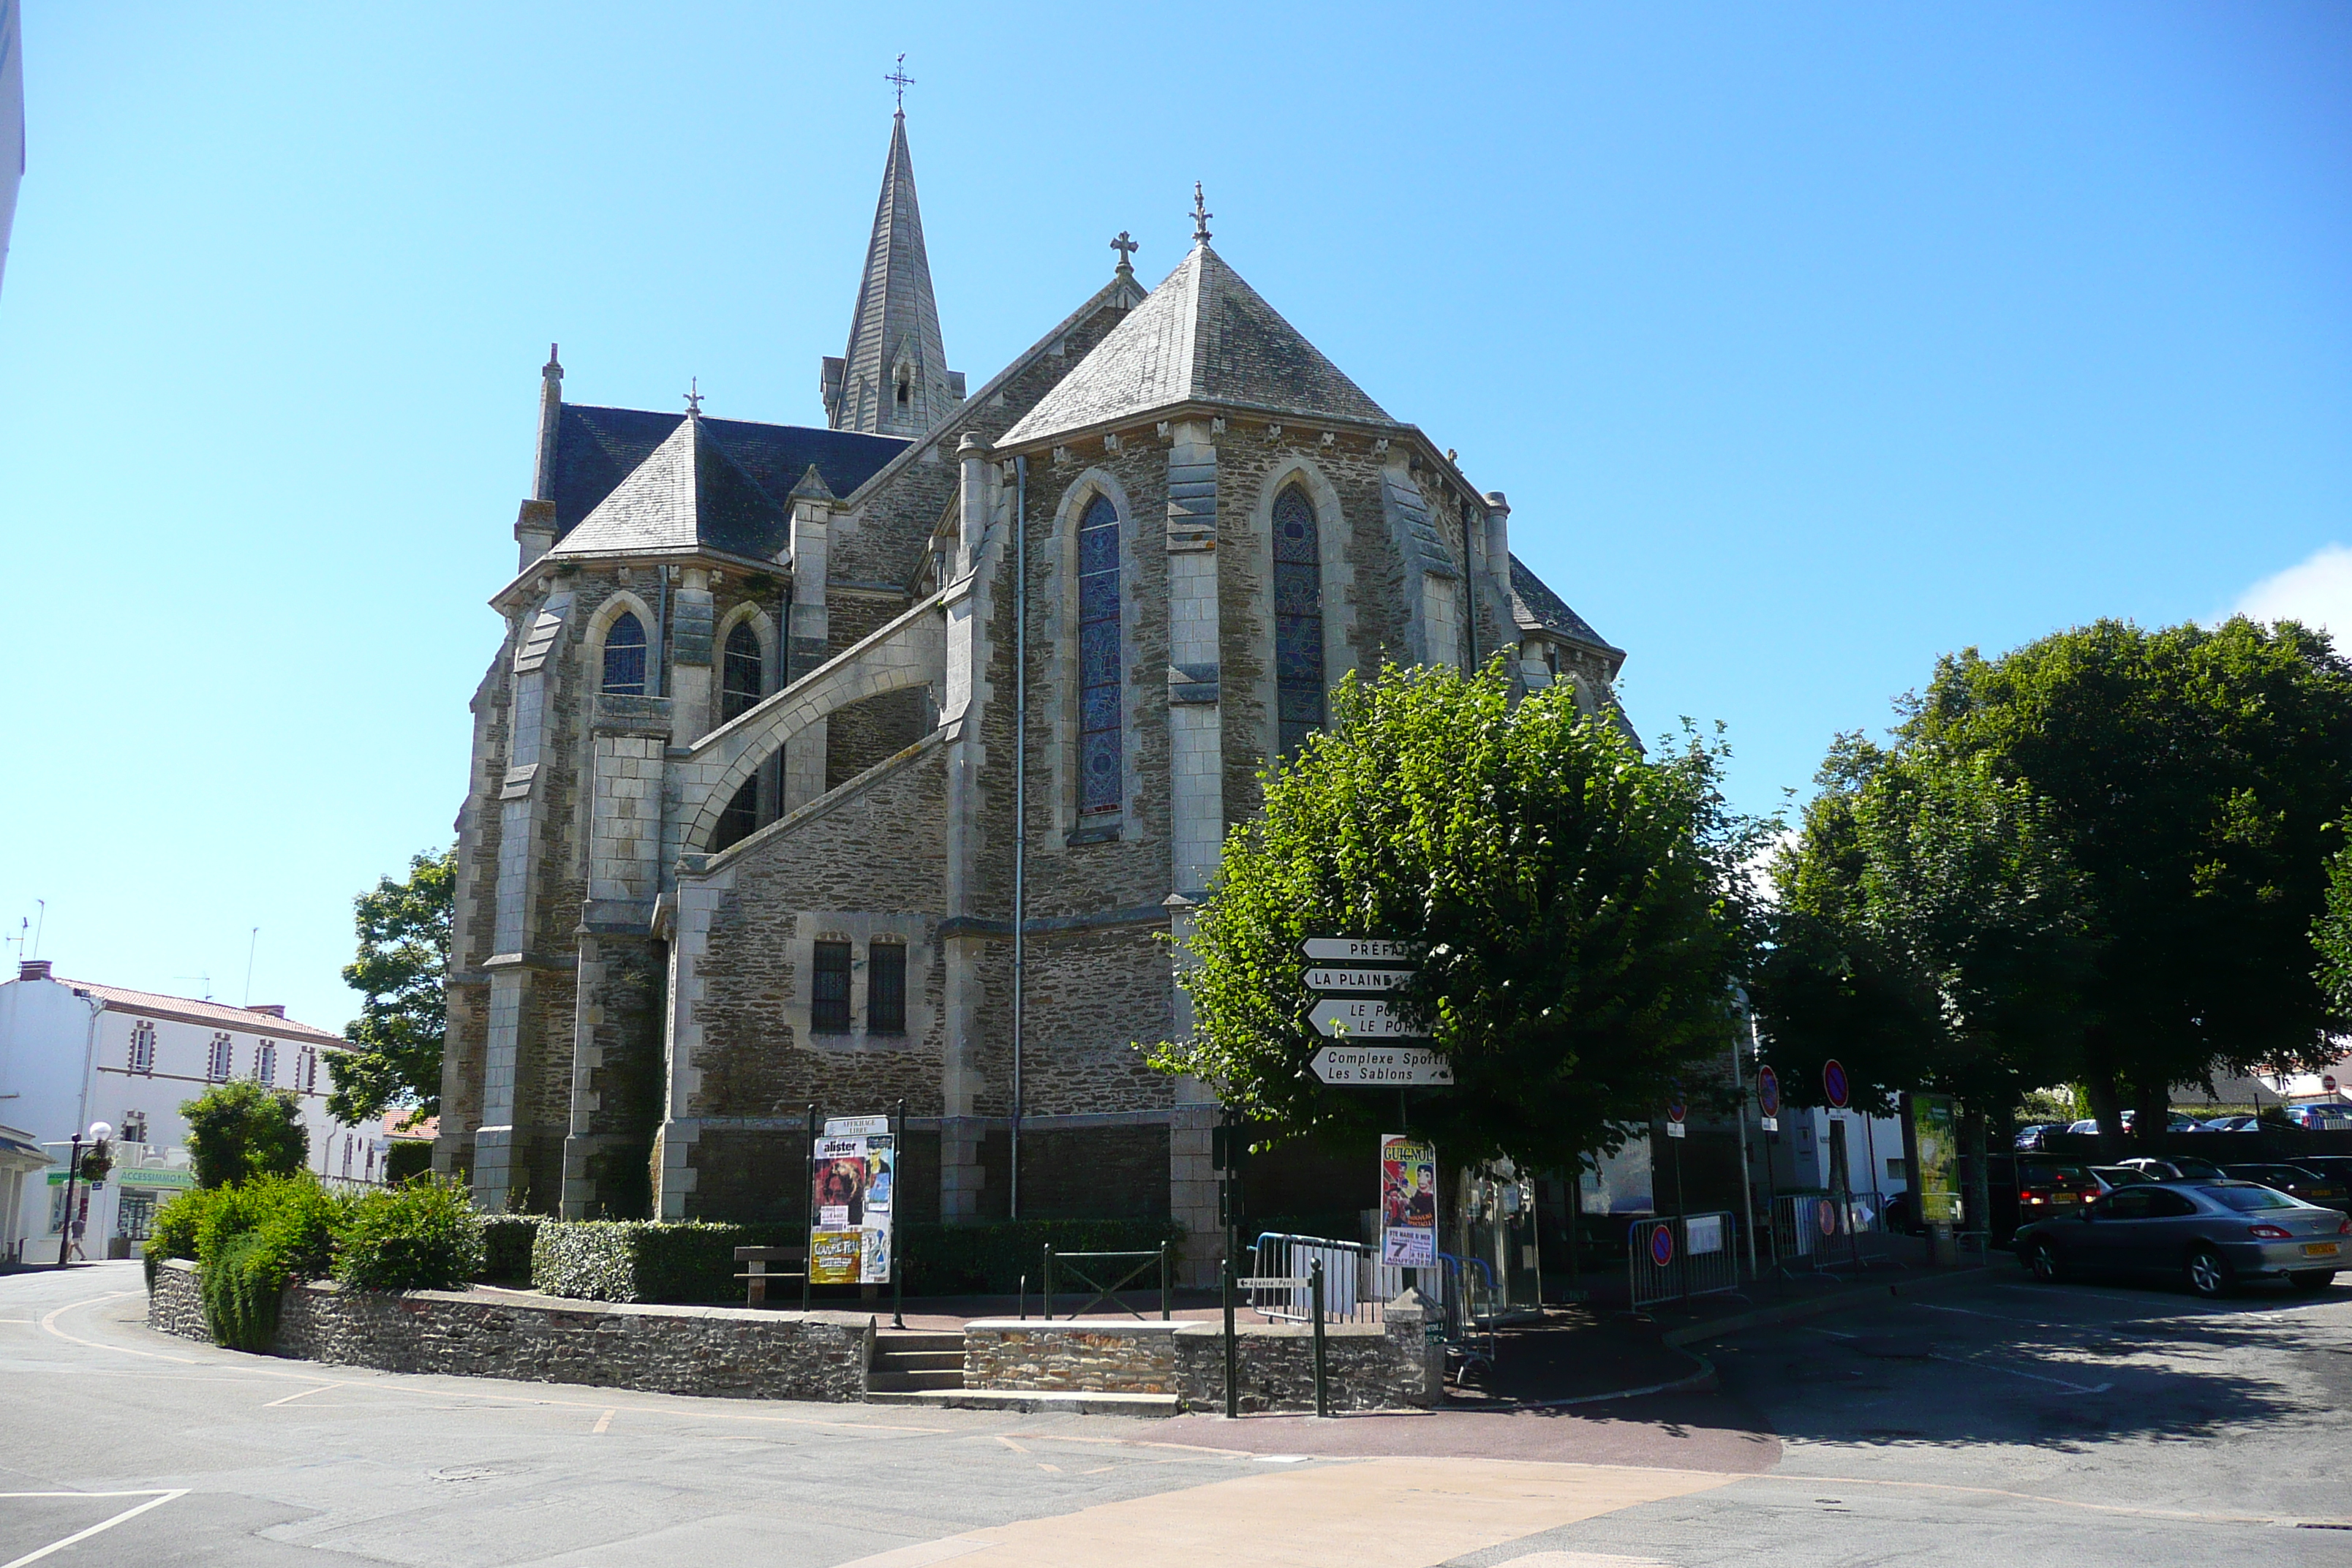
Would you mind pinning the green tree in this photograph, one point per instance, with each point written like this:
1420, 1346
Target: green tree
2099, 858
1578, 907
240, 1131
395, 1056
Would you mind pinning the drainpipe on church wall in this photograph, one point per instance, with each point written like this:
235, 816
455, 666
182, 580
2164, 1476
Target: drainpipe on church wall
1020, 795
661, 641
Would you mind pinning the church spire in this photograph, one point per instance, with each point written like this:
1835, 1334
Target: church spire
893, 379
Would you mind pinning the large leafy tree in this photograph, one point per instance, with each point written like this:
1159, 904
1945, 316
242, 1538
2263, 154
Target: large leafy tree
240, 1130
1578, 907
2139, 821
403, 955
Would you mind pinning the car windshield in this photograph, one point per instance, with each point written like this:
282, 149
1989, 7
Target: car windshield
2198, 1169
2120, 1175
2249, 1197
2042, 1176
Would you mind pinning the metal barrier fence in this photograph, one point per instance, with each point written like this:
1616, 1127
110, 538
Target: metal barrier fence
1817, 1231
1356, 1283
1105, 1287
1676, 1256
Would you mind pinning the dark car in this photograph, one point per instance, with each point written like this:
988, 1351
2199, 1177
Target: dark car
2033, 1134
2174, 1168
2210, 1234
2296, 1181
2234, 1124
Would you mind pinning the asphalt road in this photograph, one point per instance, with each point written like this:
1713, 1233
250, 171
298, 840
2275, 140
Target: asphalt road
2005, 1424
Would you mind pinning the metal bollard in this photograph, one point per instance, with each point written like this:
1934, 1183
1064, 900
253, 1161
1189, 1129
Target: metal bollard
1046, 1295
1322, 1380
1233, 1355
1021, 1301
1163, 1281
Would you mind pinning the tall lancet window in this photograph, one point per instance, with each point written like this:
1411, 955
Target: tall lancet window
625, 656
1099, 759
1298, 619
740, 682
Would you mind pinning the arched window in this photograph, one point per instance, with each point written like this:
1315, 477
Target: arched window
1099, 759
1298, 619
739, 689
625, 656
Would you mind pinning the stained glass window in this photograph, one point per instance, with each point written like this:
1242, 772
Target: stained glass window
1298, 619
740, 682
829, 996
625, 656
1099, 759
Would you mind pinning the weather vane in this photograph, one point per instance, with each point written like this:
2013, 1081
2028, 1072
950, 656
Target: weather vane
1126, 248
694, 395
902, 81
1201, 215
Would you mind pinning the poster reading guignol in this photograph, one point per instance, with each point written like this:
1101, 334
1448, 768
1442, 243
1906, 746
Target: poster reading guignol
853, 1183
1408, 1202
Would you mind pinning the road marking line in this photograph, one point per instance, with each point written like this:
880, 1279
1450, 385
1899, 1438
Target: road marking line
49, 1326
1044, 1466
1831, 1333
604, 1425
157, 1500
2035, 1376
1966, 1312
299, 1393
1011, 1443
2127, 1509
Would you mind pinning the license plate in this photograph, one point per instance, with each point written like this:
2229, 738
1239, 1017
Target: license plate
2319, 1249
2062, 1197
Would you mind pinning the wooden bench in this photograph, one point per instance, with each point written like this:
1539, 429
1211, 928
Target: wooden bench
758, 1274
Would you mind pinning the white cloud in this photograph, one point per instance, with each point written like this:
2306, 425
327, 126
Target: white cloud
2316, 592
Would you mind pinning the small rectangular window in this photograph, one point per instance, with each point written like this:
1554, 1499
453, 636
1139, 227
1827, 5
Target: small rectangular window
221, 1060
885, 988
265, 1063
829, 996
142, 1047
305, 1071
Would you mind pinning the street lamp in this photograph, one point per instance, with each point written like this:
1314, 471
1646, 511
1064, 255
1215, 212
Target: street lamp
98, 1135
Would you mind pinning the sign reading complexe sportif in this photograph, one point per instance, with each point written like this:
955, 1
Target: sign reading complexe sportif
1380, 1064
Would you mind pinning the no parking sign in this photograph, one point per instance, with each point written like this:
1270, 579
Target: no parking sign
1833, 1083
1662, 1245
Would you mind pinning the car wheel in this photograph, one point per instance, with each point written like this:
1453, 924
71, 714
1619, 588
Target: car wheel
2042, 1258
2207, 1274
2310, 1281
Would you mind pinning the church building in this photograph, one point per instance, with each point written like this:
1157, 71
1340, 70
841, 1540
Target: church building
878, 760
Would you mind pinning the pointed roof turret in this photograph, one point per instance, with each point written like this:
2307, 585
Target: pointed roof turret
688, 495
1202, 336
893, 378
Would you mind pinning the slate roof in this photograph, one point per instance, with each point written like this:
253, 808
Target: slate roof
187, 1010
1202, 336
596, 448
896, 318
1537, 608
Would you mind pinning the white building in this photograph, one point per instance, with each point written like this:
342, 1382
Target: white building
73, 1053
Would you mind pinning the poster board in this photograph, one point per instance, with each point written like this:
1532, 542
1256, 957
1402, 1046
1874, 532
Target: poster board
1936, 1157
853, 1192
1408, 1202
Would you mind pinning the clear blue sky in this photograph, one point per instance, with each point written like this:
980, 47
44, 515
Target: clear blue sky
1809, 342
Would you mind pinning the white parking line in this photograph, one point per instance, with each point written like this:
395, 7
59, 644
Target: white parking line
155, 1500
2034, 1377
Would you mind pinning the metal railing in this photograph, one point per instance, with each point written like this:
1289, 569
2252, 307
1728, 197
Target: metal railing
1823, 1231
1107, 1291
1356, 1284
1676, 1256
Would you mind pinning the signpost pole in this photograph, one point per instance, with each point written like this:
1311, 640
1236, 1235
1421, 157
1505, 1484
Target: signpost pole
1233, 1356
1411, 1277
1322, 1383
1747, 1172
808, 1196
898, 1258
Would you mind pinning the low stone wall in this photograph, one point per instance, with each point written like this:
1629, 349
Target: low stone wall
1388, 1365
512, 1334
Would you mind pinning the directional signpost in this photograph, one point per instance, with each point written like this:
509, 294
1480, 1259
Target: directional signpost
1382, 1066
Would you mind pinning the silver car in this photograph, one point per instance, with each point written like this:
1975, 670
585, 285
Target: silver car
2210, 1234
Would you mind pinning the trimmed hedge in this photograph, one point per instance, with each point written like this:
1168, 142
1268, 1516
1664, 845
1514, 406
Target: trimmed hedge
694, 1261
422, 1237
407, 1157
506, 1241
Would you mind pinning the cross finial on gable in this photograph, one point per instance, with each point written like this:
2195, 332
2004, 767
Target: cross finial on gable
1201, 215
902, 81
694, 397
1126, 248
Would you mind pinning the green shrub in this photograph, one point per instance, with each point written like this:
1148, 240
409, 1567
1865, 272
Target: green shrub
507, 1240
252, 1241
240, 1130
645, 1260
172, 1232
407, 1157
422, 1237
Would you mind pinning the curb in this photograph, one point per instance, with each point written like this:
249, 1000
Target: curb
1029, 1401
1789, 1311
1703, 1381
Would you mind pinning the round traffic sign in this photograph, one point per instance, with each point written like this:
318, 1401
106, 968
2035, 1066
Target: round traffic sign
1833, 1082
1826, 1216
1768, 1090
1676, 1110
1662, 1245
2327, 1082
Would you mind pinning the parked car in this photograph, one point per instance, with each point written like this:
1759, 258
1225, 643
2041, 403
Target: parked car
2320, 1117
2335, 1167
2296, 1181
2114, 1176
2045, 1187
2211, 1235
2176, 1121
2031, 1135
2174, 1168
2233, 1124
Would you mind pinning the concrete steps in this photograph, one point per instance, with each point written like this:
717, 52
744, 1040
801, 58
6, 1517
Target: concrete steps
909, 1363
1031, 1402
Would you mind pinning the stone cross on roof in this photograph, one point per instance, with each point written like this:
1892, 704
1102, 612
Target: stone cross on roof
902, 81
694, 395
1200, 215
1126, 248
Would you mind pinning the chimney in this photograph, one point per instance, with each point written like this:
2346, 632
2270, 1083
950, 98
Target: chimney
32, 969
274, 1009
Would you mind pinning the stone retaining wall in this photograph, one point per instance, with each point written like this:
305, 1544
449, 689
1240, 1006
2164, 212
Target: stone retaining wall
1368, 1366
504, 1334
